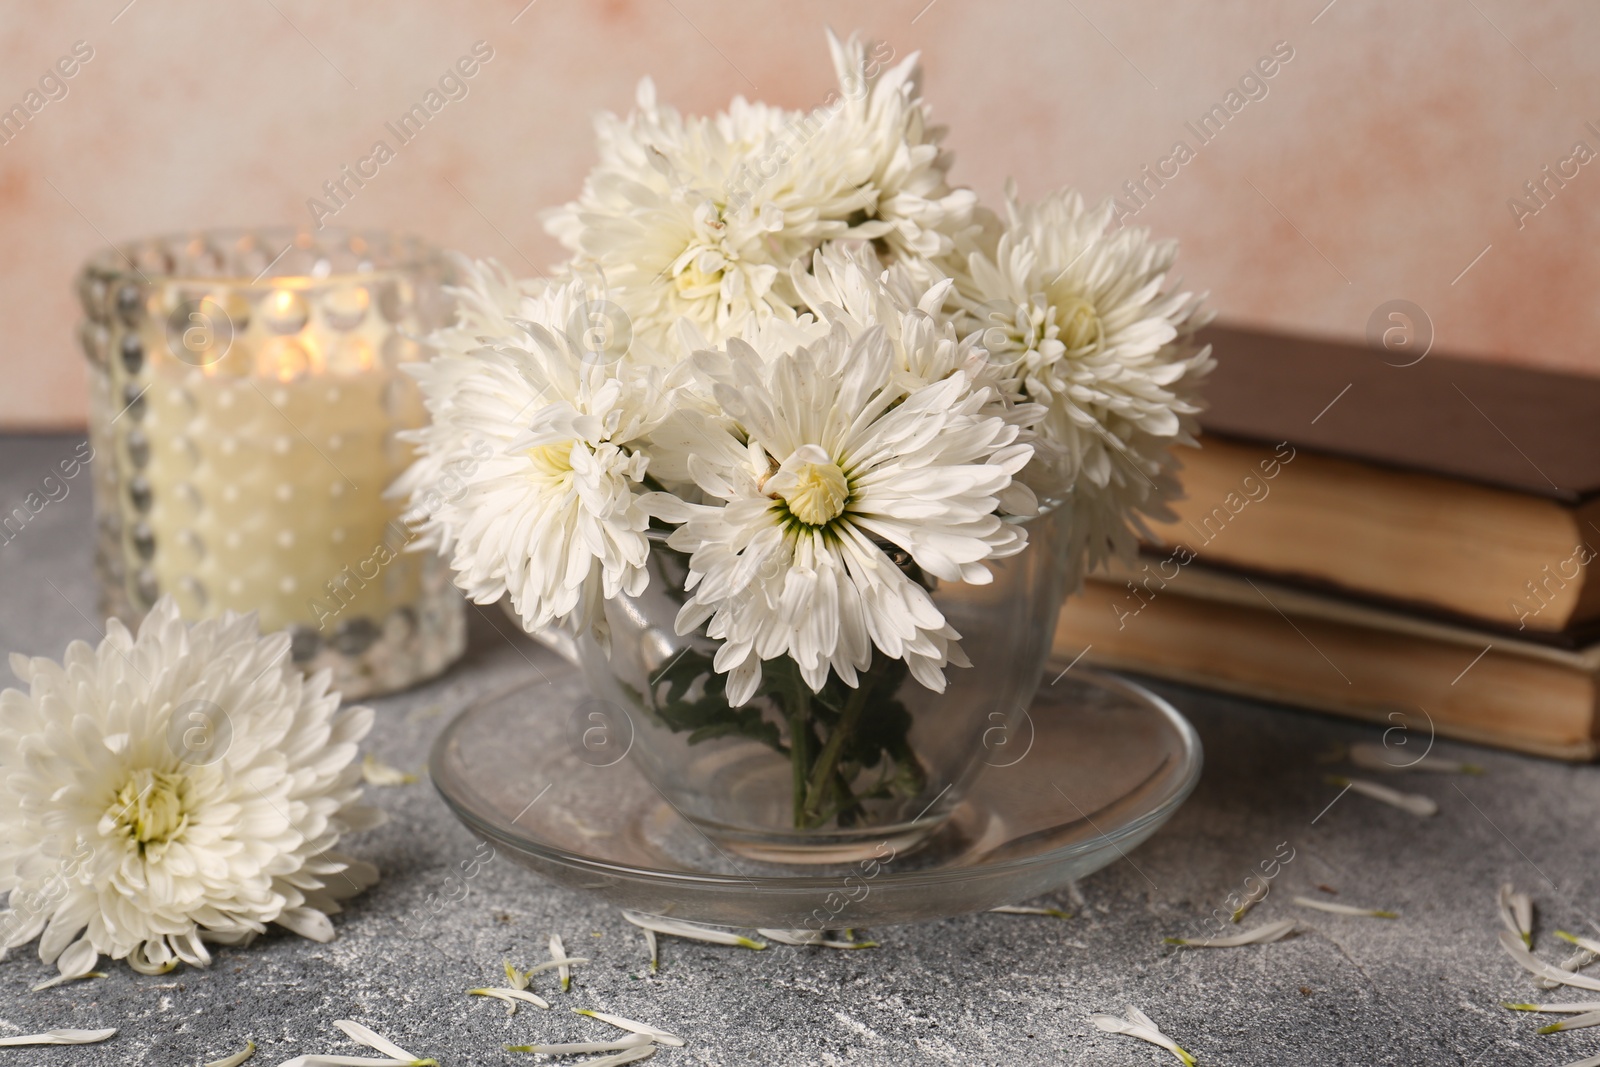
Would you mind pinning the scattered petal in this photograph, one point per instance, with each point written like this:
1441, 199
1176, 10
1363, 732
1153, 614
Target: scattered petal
655, 949
1139, 1025
352, 1061
236, 1059
1253, 897
1022, 909
1372, 756
511, 996
631, 1056
692, 931
573, 1048
1566, 1009
377, 772
515, 978
554, 965
1259, 936
1415, 803
656, 1034
1345, 909
1588, 944
373, 1040
62, 979
812, 937
558, 956
1516, 911
1514, 947
1575, 962
1577, 1022
59, 1037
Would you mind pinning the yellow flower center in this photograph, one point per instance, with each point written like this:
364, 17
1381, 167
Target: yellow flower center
693, 282
1080, 324
819, 494
551, 463
152, 807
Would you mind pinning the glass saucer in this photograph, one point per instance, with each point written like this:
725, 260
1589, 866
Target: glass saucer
543, 772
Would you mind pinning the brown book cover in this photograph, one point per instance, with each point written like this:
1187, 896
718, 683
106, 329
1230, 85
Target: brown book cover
1275, 643
1514, 428
1459, 489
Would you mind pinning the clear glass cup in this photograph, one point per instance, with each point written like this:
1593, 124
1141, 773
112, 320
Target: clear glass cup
733, 772
246, 389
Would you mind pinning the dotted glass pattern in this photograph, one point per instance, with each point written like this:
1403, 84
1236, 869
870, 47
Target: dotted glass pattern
246, 392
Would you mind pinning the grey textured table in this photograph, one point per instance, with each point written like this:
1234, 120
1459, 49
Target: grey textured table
980, 989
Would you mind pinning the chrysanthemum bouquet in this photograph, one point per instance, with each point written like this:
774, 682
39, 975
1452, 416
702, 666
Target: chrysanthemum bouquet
789, 352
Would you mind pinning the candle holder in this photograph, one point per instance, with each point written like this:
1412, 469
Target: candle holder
246, 390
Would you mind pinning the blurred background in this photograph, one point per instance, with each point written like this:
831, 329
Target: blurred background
1382, 159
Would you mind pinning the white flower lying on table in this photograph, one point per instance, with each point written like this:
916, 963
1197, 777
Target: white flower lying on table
1139, 1025
184, 786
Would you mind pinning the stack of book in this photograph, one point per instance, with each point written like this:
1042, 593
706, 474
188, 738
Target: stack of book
1400, 541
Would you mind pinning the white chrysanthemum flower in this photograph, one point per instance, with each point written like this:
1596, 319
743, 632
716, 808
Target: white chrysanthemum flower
1082, 317
848, 285
656, 220
876, 142
700, 218
528, 477
822, 466
185, 786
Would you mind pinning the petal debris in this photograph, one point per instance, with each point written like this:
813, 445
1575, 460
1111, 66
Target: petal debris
1345, 909
1139, 1025
1415, 803
1259, 936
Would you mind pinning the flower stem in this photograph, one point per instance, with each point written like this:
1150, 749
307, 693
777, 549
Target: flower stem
799, 745
828, 760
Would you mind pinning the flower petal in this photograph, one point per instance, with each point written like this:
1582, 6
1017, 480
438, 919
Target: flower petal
1259, 936
575, 1047
236, 1059
59, 1037
1514, 947
1344, 909
692, 931
656, 1034
1415, 803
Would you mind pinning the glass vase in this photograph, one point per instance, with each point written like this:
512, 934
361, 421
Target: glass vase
246, 389
795, 777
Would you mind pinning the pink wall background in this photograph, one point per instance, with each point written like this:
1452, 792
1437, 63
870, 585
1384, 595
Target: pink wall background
1378, 166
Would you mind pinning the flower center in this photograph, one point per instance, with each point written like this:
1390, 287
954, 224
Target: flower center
693, 282
1080, 324
551, 463
819, 493
152, 807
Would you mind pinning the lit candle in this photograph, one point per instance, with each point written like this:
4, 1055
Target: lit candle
247, 392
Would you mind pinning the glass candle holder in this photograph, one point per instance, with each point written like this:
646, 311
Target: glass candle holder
246, 392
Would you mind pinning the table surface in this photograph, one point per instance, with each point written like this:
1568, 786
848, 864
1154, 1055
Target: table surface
993, 989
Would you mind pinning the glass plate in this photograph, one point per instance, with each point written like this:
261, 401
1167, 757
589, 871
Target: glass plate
543, 772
